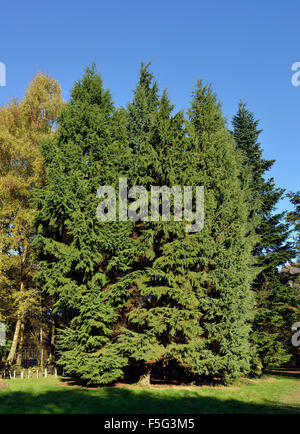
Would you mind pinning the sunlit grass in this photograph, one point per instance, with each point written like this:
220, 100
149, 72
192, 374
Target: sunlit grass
270, 394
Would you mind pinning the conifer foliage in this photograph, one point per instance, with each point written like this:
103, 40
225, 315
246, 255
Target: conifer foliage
274, 298
222, 250
134, 298
79, 256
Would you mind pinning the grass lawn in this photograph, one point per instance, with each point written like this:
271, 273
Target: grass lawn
278, 393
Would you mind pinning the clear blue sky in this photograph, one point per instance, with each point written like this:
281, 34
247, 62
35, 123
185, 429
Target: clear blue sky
245, 49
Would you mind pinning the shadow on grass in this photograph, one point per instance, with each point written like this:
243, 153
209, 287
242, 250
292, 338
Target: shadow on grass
124, 401
293, 374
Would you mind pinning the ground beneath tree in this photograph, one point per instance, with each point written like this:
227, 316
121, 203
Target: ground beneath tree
156, 386
270, 394
285, 371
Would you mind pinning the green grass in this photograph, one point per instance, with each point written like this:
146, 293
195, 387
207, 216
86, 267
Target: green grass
270, 394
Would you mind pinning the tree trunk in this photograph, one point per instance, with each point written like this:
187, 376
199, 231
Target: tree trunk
13, 349
21, 343
52, 344
12, 352
42, 349
144, 381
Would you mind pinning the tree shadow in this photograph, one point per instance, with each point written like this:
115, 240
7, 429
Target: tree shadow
293, 374
126, 401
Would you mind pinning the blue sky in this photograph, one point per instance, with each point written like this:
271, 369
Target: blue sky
245, 49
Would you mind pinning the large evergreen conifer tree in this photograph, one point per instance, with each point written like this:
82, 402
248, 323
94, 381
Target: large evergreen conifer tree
196, 305
274, 298
81, 258
221, 252
146, 294
167, 315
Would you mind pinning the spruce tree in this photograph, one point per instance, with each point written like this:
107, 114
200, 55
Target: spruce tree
273, 296
82, 259
193, 300
165, 315
292, 272
220, 255
193, 289
294, 218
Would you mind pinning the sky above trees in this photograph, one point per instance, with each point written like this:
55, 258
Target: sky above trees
246, 50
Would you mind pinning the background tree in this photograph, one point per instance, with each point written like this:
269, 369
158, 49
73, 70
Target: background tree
22, 126
292, 272
294, 218
273, 249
